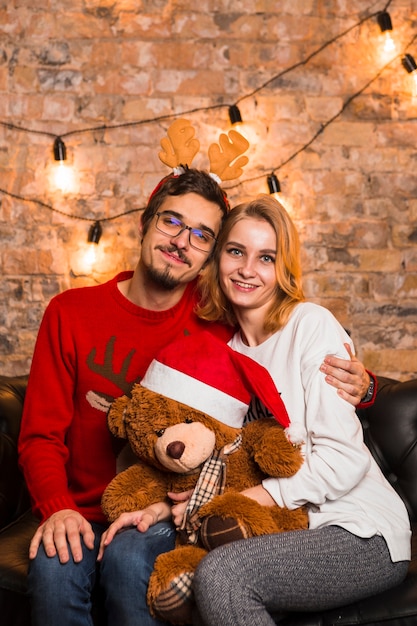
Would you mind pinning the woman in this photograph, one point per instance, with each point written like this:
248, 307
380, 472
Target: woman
358, 542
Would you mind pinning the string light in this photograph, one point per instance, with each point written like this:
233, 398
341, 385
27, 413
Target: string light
60, 152
246, 129
95, 232
234, 115
89, 258
411, 66
409, 63
274, 188
273, 185
385, 24
63, 176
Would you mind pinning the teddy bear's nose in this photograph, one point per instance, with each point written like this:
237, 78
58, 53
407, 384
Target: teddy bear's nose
175, 449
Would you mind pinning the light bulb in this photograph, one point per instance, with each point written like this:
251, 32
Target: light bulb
90, 256
94, 233
385, 24
63, 177
389, 44
410, 66
234, 115
274, 187
238, 124
62, 174
273, 184
85, 259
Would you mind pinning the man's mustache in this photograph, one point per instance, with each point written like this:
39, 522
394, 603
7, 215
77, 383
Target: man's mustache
179, 252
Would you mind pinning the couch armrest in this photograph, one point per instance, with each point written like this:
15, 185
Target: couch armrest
390, 432
9, 479
14, 499
12, 395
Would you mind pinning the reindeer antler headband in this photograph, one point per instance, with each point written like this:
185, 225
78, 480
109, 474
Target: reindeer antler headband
180, 146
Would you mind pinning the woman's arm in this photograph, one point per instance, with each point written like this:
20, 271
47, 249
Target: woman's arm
336, 459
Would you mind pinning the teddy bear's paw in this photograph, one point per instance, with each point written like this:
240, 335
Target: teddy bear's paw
174, 604
170, 596
234, 516
216, 531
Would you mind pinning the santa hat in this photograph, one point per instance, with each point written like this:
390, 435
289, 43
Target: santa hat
206, 374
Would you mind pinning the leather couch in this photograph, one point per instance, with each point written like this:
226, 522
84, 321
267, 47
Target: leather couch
390, 428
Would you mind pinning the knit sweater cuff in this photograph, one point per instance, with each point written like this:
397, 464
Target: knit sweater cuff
49, 507
364, 405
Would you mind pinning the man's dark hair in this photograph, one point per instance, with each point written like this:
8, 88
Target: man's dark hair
191, 181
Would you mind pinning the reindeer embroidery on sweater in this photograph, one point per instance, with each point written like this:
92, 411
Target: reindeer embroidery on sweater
100, 400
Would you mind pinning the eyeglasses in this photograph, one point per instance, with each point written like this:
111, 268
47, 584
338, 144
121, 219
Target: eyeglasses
170, 225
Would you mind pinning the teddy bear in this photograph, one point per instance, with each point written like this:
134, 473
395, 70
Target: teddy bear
184, 424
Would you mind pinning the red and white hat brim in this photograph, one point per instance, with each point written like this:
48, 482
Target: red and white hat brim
188, 390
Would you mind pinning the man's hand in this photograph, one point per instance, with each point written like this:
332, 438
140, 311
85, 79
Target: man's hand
63, 528
348, 376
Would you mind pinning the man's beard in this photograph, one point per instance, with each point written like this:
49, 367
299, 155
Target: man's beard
163, 278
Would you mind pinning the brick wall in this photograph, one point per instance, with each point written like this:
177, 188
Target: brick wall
69, 67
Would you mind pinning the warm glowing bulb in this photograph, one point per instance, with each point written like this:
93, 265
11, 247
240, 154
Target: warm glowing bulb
385, 24
388, 47
90, 256
63, 177
389, 43
284, 201
238, 124
274, 189
249, 131
86, 259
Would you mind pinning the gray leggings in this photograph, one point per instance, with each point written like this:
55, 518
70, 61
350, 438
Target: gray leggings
242, 583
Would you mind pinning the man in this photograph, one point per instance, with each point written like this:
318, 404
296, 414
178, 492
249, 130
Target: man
94, 343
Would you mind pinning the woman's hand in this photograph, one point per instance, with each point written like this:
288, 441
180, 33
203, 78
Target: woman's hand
142, 520
180, 504
348, 376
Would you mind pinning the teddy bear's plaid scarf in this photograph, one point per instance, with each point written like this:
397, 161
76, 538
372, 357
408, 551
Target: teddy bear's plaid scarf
211, 482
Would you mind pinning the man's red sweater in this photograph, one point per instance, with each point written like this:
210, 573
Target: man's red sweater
93, 345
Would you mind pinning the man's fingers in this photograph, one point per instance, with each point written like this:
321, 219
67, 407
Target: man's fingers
35, 542
349, 351
348, 376
87, 535
64, 534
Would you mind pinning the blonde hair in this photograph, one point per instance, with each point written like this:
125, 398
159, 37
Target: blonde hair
213, 304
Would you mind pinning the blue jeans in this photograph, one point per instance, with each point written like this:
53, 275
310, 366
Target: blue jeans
61, 593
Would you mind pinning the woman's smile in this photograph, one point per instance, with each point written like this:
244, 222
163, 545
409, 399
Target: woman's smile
244, 286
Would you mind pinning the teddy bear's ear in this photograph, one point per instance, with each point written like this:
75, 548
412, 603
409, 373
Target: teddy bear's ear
115, 417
